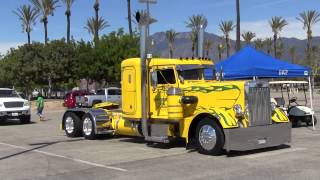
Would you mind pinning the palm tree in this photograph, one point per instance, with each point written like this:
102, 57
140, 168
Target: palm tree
259, 43
28, 16
171, 36
226, 27
193, 38
94, 27
129, 17
248, 36
292, 52
96, 8
220, 50
207, 46
268, 43
195, 22
309, 18
68, 4
277, 24
238, 25
45, 8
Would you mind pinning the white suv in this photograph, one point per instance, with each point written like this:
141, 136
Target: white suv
12, 106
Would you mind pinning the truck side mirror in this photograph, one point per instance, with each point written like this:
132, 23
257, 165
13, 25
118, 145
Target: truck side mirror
154, 79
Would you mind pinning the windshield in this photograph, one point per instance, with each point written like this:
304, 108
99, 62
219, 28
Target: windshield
196, 72
8, 93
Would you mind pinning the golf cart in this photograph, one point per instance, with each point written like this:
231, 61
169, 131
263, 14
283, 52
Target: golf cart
297, 112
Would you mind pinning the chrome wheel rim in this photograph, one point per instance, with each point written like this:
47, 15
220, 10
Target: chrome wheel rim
69, 125
87, 126
207, 137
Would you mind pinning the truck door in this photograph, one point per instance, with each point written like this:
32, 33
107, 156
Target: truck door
158, 96
129, 99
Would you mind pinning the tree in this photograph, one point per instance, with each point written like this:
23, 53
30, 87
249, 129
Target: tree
309, 18
277, 24
96, 8
195, 22
226, 27
248, 36
259, 44
129, 17
171, 36
68, 4
28, 16
268, 43
293, 54
207, 46
94, 27
238, 44
193, 38
46, 8
221, 49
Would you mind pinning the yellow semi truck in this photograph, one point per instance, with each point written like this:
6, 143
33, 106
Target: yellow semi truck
182, 103
168, 99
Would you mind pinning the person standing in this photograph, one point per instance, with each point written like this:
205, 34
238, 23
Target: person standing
40, 106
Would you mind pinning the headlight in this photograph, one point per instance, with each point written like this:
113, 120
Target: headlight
273, 106
1, 104
238, 110
26, 103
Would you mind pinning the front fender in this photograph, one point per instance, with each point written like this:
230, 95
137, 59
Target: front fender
278, 116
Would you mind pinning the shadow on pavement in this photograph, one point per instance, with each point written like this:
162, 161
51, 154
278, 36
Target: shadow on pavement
13, 123
244, 153
42, 145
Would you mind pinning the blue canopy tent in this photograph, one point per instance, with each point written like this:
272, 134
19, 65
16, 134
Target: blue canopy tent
249, 63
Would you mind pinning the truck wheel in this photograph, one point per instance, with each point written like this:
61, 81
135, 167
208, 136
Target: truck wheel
88, 127
25, 119
72, 125
209, 137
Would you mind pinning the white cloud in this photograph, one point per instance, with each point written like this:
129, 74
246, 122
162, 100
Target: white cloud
269, 3
5, 46
263, 29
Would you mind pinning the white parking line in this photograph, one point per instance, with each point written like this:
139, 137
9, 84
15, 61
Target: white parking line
273, 153
64, 157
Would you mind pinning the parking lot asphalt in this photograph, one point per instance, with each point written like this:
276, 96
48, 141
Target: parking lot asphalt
41, 151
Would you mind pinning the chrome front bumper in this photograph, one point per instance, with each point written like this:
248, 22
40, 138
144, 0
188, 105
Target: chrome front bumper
243, 139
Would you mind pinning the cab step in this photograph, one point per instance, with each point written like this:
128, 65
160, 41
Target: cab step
158, 139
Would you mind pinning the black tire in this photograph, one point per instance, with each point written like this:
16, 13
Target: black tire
296, 122
77, 125
25, 119
212, 148
310, 122
87, 131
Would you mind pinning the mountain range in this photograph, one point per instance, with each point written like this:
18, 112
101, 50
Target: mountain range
182, 46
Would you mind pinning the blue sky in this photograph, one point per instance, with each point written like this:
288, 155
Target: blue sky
169, 13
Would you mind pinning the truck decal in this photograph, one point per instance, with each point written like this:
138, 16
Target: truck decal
209, 89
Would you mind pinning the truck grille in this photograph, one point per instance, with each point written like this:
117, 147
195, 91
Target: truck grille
259, 106
13, 104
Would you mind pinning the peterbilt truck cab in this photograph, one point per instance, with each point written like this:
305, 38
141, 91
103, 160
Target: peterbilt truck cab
181, 102
13, 106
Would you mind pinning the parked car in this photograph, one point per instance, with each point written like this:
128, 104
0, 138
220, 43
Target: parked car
70, 97
111, 94
13, 106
